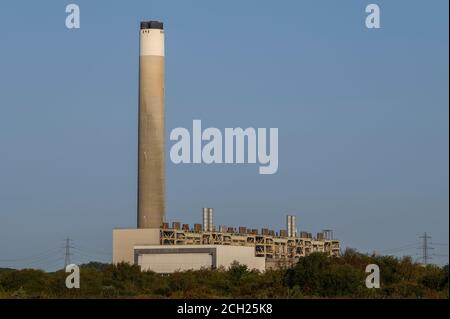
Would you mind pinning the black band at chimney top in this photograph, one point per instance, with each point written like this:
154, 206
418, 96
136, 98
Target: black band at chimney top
151, 25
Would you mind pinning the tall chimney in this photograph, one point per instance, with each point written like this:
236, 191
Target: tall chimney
208, 223
291, 225
151, 180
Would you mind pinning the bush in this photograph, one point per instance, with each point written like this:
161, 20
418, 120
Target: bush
319, 275
316, 275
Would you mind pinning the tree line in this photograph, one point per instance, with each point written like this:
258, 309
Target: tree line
314, 276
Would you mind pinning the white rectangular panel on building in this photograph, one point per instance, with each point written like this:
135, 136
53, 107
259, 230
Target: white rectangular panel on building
170, 258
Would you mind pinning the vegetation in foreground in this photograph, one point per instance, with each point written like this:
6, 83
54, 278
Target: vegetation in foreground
315, 276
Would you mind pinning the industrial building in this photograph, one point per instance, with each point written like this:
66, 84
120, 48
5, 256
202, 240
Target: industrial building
154, 244
180, 247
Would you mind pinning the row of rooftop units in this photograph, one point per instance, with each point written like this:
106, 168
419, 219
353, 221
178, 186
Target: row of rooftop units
208, 226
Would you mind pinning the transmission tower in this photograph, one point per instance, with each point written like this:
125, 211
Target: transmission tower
425, 249
68, 253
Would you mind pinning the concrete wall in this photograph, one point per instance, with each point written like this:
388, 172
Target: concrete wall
242, 254
169, 263
124, 241
170, 258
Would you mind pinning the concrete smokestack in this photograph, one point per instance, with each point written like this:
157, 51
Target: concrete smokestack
151, 180
291, 225
208, 223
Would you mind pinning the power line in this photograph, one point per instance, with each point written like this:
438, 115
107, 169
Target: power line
91, 251
78, 252
39, 256
55, 265
424, 246
399, 249
425, 249
67, 252
89, 257
439, 244
45, 263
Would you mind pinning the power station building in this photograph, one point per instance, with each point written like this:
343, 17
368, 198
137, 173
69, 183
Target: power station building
154, 244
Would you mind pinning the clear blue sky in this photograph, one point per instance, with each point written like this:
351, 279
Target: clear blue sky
362, 118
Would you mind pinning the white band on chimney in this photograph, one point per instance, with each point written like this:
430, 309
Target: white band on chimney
152, 42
